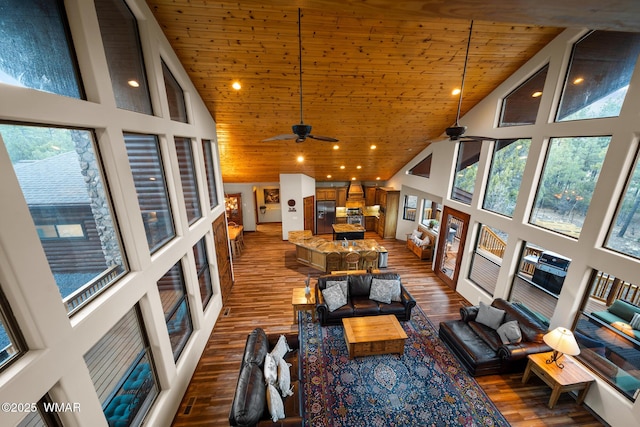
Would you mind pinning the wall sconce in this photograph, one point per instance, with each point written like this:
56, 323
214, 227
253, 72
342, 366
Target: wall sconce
263, 209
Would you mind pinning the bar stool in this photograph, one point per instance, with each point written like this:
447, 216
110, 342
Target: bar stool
334, 262
353, 261
370, 260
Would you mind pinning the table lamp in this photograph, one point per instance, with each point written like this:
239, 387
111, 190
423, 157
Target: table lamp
562, 341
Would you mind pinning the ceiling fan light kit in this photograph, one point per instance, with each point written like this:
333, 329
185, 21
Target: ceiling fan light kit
301, 131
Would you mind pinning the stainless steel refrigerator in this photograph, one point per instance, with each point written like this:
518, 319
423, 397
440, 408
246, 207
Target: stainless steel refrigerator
325, 216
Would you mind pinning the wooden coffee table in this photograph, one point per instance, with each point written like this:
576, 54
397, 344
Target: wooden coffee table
572, 377
366, 336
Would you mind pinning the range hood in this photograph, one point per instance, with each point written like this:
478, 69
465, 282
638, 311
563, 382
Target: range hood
355, 191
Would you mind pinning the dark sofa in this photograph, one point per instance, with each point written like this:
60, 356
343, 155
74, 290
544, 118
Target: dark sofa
479, 347
249, 407
358, 302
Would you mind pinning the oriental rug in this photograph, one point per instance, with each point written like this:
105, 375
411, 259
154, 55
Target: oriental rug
426, 386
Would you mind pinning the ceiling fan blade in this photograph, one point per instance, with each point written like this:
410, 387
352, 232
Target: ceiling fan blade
470, 138
322, 138
281, 137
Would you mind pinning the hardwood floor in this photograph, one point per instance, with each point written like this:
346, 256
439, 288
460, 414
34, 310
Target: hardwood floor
265, 275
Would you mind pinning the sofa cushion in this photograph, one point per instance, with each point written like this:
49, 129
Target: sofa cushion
623, 309
363, 306
490, 316
393, 308
381, 291
532, 330
487, 334
344, 285
274, 403
284, 378
344, 311
509, 332
334, 297
360, 285
250, 399
256, 348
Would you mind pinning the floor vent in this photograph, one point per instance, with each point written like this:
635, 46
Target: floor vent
190, 403
227, 311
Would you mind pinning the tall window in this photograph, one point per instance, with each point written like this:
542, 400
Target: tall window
36, 50
207, 149
188, 178
539, 281
410, 208
121, 40
487, 257
122, 372
431, 213
60, 175
623, 235
11, 343
609, 339
520, 107
176, 308
598, 76
204, 271
175, 96
148, 176
505, 175
571, 170
464, 180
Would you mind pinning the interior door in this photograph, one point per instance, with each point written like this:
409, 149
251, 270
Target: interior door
223, 256
453, 233
233, 207
309, 215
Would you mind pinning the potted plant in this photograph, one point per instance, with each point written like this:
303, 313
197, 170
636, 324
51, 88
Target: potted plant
433, 223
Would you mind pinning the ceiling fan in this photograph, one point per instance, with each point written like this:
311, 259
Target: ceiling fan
456, 132
301, 131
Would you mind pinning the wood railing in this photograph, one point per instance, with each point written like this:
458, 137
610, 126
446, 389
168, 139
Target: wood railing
491, 242
607, 289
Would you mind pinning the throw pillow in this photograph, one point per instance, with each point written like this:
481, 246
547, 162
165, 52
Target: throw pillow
270, 369
380, 291
284, 378
344, 285
334, 297
416, 234
509, 332
280, 349
274, 402
426, 241
489, 316
394, 285
635, 321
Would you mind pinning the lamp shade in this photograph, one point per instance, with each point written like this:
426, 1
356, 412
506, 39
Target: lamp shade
563, 341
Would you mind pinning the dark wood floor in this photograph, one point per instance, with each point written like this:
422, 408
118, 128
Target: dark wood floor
265, 274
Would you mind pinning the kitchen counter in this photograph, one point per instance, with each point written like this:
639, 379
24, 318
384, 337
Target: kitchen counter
348, 232
312, 251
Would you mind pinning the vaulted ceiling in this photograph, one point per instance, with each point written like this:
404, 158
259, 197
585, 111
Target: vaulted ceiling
375, 72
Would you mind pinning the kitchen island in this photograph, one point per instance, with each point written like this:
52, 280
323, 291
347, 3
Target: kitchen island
348, 232
313, 251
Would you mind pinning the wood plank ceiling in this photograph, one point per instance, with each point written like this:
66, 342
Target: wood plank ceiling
376, 72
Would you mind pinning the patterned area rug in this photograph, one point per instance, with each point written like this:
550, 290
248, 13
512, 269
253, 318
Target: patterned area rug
426, 386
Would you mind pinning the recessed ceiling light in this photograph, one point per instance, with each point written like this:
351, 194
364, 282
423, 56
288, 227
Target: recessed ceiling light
358, 167
536, 94
133, 83
373, 146
328, 176
300, 159
353, 179
236, 85
378, 178
335, 147
342, 167
456, 91
578, 80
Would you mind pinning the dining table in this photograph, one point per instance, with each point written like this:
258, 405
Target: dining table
234, 232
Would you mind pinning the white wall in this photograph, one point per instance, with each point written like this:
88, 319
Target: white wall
273, 211
585, 252
294, 187
248, 203
54, 363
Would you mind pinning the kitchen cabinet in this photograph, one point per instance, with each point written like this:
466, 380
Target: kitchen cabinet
370, 196
370, 223
341, 196
341, 220
389, 203
325, 194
